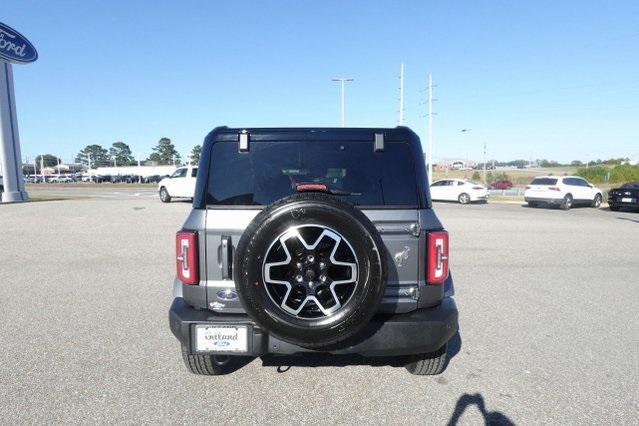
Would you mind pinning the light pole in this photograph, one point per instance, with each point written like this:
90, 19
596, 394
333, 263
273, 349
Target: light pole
401, 95
430, 127
342, 80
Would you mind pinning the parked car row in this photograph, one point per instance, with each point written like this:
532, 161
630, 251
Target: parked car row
562, 191
559, 191
69, 178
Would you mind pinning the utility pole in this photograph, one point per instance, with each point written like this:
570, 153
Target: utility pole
342, 80
58, 158
484, 163
42, 166
430, 129
401, 95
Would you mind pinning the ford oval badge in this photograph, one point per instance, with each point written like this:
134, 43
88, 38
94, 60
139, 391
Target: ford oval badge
14, 47
227, 294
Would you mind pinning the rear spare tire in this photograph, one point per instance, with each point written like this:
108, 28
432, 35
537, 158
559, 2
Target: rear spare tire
309, 269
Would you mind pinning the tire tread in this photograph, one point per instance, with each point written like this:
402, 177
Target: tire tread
429, 364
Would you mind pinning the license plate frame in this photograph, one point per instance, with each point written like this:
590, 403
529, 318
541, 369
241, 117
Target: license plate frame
222, 338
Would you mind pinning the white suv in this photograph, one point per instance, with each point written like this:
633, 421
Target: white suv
563, 191
180, 184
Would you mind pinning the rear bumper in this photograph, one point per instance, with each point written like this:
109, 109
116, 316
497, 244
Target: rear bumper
543, 200
420, 331
618, 202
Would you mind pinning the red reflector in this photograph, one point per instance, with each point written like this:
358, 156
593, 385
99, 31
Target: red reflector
478, 187
186, 257
437, 252
302, 187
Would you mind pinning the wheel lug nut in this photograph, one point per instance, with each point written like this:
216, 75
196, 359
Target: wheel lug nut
299, 278
299, 265
322, 265
310, 258
323, 278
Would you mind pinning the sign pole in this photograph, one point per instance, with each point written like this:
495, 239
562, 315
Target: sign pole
10, 156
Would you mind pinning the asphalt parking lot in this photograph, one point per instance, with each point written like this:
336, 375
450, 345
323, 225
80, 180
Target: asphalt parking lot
549, 331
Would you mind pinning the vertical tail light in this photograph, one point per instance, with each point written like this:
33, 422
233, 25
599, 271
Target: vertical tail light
186, 257
437, 252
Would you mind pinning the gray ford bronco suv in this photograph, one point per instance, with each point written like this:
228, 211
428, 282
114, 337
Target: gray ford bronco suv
312, 240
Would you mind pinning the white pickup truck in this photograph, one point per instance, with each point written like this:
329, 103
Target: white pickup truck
181, 184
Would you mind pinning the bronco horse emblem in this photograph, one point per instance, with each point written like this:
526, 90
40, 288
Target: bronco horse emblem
401, 256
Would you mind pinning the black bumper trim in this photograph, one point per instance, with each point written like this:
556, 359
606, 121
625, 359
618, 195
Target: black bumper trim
420, 331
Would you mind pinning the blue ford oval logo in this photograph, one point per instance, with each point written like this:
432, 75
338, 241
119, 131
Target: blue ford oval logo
227, 294
14, 47
222, 343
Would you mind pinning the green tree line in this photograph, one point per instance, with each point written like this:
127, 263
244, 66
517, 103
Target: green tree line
164, 153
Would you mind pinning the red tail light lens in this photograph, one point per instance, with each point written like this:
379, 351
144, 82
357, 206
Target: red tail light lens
437, 252
186, 257
478, 187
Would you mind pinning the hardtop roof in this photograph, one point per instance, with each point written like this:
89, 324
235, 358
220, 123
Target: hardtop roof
226, 134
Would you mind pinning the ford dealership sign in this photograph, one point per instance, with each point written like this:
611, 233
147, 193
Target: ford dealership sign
14, 47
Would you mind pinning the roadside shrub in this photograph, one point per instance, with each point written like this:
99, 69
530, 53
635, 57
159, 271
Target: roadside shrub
596, 174
617, 174
475, 176
502, 176
624, 173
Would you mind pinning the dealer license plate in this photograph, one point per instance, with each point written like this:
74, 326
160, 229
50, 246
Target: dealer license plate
626, 200
221, 338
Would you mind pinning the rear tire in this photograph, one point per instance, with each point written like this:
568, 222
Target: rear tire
463, 198
164, 195
566, 204
614, 208
428, 364
211, 365
597, 201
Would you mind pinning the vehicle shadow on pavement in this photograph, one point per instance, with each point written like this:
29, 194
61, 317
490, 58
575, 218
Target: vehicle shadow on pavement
628, 219
490, 417
284, 363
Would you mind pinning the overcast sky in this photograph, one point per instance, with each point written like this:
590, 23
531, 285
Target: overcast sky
537, 79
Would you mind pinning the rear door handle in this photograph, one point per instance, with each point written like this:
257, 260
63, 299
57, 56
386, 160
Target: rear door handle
227, 249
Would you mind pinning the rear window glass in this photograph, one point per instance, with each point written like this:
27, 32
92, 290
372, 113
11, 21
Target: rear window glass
544, 181
270, 171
